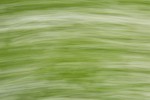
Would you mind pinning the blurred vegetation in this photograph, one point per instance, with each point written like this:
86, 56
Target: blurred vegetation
74, 50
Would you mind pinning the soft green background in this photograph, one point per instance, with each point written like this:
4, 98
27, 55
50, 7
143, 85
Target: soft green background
74, 49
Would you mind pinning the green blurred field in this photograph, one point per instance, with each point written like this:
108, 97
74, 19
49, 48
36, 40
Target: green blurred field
74, 49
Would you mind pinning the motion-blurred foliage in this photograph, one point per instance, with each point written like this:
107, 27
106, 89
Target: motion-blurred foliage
74, 49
